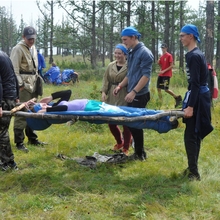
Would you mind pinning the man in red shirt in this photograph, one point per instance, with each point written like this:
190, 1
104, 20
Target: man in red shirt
165, 73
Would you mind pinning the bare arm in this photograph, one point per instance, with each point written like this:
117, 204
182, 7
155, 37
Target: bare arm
168, 68
46, 99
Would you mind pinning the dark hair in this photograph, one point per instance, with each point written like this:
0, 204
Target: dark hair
164, 45
31, 107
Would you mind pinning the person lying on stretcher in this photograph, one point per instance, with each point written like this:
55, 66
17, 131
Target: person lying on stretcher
161, 124
63, 104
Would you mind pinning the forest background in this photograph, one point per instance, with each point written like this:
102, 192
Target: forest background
92, 28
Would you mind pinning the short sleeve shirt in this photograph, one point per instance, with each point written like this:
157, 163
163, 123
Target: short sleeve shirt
165, 61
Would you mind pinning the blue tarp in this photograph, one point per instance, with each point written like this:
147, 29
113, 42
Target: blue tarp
67, 75
53, 75
161, 125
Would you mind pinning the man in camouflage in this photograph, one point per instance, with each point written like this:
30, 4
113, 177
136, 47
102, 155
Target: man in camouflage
8, 97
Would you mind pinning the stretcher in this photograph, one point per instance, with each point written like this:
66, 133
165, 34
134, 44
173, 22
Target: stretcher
140, 118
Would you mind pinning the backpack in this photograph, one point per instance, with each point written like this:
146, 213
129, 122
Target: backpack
212, 82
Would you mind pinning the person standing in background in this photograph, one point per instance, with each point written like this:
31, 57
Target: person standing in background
9, 94
140, 61
25, 62
114, 74
41, 64
197, 103
163, 80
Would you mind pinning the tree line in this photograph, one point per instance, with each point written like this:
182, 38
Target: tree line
92, 28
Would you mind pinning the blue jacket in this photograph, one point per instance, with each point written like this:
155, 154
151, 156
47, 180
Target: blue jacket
53, 74
140, 61
41, 62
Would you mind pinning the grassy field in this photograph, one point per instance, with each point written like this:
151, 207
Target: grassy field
48, 188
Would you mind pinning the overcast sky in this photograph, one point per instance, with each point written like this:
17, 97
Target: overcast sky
27, 9
30, 12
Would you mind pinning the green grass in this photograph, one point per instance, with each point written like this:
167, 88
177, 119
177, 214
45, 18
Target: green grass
48, 188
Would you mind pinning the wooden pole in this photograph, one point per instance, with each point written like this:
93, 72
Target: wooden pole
175, 114
18, 108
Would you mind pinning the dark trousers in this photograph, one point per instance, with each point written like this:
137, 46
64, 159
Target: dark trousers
19, 135
138, 134
40, 72
192, 144
6, 154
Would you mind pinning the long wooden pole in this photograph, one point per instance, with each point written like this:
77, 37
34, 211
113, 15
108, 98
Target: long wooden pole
173, 115
22, 105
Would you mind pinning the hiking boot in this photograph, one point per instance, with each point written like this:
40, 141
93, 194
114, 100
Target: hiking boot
21, 146
118, 146
125, 151
35, 142
178, 101
191, 176
9, 166
138, 157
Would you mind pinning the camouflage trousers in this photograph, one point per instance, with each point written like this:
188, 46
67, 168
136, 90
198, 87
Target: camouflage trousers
6, 153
